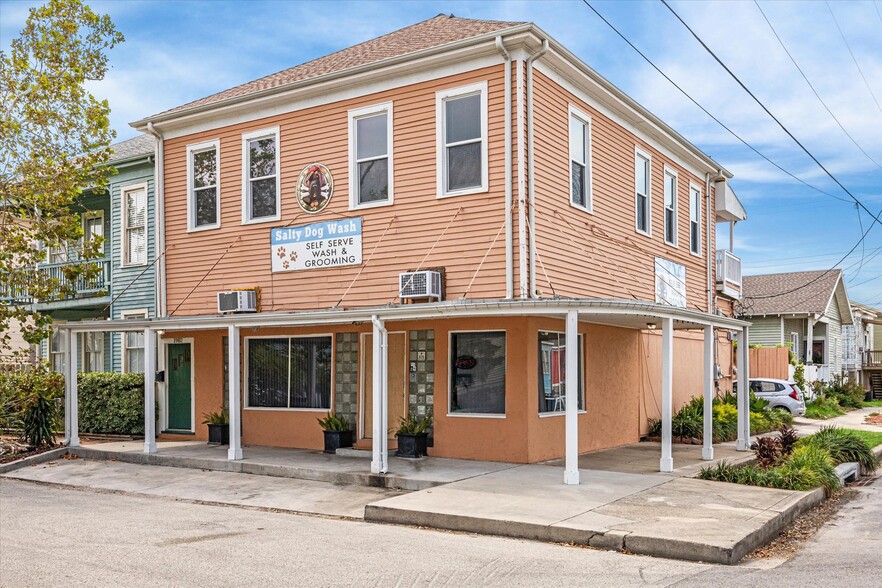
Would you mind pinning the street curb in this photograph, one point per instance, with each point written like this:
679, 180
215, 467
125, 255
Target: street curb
615, 540
33, 460
246, 467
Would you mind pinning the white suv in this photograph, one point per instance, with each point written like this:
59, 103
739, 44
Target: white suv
780, 394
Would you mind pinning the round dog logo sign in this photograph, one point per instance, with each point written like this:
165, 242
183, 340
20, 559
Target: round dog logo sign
314, 188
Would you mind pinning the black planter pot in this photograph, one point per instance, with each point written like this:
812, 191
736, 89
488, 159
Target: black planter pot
412, 445
218, 434
334, 440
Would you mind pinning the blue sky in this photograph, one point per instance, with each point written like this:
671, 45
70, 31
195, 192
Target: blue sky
180, 51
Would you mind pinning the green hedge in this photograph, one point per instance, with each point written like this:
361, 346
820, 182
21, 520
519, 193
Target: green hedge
20, 390
111, 403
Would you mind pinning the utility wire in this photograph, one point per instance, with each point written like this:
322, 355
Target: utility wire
850, 52
786, 130
818, 96
705, 110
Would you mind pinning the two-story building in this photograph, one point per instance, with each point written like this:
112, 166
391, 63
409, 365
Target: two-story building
863, 348
125, 286
460, 218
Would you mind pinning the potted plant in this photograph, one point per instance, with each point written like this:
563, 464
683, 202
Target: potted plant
412, 436
337, 432
218, 427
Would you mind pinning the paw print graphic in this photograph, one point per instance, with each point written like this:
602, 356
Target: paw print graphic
281, 252
293, 256
285, 264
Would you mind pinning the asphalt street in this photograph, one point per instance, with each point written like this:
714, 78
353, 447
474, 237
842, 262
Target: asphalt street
53, 536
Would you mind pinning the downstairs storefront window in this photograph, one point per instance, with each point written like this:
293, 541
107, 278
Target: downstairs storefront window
289, 372
553, 372
477, 381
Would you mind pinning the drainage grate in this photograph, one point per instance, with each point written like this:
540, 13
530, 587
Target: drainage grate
865, 481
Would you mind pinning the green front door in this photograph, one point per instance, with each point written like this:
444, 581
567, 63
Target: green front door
179, 392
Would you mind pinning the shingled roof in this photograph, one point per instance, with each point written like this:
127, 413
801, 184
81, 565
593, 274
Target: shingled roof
434, 32
815, 289
139, 146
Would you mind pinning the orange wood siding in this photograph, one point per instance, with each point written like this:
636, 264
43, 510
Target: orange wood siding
320, 134
602, 254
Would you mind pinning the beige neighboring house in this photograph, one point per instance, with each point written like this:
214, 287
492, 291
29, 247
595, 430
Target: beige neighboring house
863, 347
18, 353
806, 310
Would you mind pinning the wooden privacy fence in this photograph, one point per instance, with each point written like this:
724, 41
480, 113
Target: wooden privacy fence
769, 362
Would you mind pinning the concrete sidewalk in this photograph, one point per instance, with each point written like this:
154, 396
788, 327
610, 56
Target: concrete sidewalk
681, 518
211, 487
850, 420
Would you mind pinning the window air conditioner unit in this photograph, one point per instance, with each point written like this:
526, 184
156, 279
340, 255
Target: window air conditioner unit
237, 301
425, 284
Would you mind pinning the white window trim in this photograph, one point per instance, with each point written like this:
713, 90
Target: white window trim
441, 149
88, 215
354, 115
638, 152
247, 406
588, 189
670, 171
246, 178
124, 225
83, 353
125, 314
191, 190
695, 187
582, 391
474, 415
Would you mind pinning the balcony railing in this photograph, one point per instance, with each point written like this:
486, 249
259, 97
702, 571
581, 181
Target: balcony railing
728, 273
873, 358
84, 287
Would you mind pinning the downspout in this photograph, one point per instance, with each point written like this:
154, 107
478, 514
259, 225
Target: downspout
530, 196
522, 223
159, 215
509, 236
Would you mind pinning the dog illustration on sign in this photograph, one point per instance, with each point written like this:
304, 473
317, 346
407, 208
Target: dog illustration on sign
314, 188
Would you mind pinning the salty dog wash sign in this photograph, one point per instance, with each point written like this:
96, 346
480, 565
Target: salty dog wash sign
316, 246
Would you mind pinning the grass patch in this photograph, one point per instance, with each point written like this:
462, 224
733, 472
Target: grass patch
873, 403
871, 438
823, 408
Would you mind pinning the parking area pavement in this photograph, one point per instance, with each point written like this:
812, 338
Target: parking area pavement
287, 494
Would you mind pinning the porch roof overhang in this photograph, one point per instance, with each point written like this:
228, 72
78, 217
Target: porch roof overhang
632, 314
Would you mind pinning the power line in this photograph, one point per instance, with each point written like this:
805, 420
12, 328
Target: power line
791, 135
818, 96
705, 110
850, 52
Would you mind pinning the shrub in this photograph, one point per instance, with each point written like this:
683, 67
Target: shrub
111, 403
823, 408
334, 423
799, 377
29, 402
843, 446
220, 417
787, 438
413, 425
848, 394
725, 423
808, 467
768, 451
39, 419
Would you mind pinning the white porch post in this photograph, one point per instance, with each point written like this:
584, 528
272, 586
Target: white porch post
380, 457
707, 451
571, 473
149, 391
743, 442
666, 463
64, 338
809, 335
235, 387
73, 369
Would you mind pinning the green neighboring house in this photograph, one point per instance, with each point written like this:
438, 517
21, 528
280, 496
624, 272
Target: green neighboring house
806, 310
126, 285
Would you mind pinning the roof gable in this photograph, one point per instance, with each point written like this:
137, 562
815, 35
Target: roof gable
792, 293
434, 32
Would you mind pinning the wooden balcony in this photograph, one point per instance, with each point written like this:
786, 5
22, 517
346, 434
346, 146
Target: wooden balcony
728, 274
873, 359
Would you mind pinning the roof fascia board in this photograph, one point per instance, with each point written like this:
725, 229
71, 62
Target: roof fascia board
346, 74
846, 316
627, 105
694, 319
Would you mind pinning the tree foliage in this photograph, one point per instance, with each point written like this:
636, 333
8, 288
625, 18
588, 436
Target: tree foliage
54, 142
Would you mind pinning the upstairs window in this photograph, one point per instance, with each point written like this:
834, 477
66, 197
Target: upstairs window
695, 219
203, 206
134, 216
580, 160
670, 206
462, 140
370, 156
260, 189
642, 174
